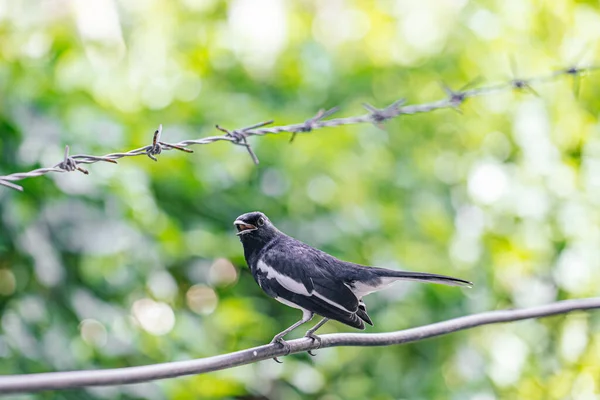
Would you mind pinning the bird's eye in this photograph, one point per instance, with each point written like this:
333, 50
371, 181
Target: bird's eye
261, 221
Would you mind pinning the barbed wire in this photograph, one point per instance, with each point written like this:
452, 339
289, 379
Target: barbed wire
29, 383
377, 116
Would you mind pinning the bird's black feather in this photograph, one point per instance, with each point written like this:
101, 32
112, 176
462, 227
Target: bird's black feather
311, 303
418, 276
293, 272
362, 313
314, 268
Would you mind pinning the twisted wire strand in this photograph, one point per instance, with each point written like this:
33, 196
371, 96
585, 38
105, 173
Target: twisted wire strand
376, 116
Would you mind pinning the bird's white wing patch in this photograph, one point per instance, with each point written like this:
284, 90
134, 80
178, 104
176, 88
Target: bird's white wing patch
294, 286
333, 303
287, 282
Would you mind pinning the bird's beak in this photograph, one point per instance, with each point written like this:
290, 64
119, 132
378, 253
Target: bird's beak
243, 227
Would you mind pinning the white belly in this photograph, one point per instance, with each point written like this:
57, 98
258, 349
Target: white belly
306, 314
288, 303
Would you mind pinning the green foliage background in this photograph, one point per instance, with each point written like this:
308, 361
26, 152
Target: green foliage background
138, 263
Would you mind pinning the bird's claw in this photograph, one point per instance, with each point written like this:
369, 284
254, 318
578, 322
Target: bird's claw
284, 344
314, 338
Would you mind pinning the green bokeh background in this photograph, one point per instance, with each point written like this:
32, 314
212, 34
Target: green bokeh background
138, 263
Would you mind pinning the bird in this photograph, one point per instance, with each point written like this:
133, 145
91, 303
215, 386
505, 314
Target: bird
308, 279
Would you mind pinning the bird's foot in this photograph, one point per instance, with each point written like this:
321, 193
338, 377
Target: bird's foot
279, 340
314, 338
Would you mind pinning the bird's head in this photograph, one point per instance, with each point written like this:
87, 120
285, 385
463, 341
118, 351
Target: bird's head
255, 226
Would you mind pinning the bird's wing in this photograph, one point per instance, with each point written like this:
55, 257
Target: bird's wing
323, 308
293, 296
305, 271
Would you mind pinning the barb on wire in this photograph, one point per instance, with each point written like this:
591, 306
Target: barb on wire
239, 136
70, 165
121, 376
379, 115
374, 116
157, 146
309, 124
575, 72
519, 83
457, 97
522, 84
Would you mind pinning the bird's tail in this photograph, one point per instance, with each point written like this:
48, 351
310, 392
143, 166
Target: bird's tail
420, 277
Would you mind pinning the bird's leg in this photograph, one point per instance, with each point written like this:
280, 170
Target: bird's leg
311, 333
279, 337
306, 316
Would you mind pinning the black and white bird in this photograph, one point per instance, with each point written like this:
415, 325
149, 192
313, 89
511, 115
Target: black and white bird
313, 281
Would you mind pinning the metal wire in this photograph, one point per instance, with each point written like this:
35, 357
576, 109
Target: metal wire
239, 137
29, 383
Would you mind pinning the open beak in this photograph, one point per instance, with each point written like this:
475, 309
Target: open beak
243, 227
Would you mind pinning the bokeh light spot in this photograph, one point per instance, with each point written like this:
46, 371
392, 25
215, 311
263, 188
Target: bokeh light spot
93, 332
162, 285
488, 183
321, 189
222, 272
8, 283
154, 317
202, 299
